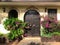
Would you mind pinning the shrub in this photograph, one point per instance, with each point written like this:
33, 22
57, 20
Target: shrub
51, 26
15, 26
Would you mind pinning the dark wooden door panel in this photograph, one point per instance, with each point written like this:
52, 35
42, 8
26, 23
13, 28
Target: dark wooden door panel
34, 20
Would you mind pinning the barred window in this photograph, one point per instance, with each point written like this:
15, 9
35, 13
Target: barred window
52, 12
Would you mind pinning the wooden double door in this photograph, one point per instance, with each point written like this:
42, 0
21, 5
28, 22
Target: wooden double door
32, 17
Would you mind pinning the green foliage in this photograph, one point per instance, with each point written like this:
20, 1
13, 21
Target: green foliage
15, 33
15, 26
44, 34
50, 27
13, 23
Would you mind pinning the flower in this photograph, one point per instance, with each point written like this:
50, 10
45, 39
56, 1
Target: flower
47, 25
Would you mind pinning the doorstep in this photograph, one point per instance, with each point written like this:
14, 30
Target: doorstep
30, 40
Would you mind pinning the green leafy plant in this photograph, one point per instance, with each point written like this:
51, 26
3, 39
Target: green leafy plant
15, 26
13, 23
15, 33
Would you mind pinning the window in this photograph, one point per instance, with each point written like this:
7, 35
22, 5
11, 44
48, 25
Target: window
13, 14
52, 12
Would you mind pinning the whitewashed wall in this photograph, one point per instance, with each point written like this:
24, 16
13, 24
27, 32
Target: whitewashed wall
22, 9
58, 14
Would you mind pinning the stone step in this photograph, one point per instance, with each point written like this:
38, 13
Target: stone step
30, 41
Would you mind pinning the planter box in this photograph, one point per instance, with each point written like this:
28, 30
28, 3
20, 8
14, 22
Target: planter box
54, 38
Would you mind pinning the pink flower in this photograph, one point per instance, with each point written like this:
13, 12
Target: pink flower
47, 25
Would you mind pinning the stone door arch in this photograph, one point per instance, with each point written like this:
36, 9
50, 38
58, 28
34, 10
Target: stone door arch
32, 17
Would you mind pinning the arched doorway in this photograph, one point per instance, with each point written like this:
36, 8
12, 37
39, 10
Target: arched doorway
32, 17
13, 14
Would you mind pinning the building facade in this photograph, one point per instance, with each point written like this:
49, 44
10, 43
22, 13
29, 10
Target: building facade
30, 11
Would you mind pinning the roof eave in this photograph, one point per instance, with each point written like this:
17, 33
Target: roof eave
30, 3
